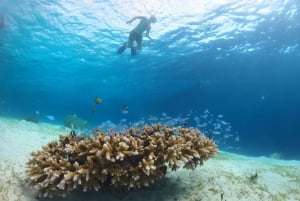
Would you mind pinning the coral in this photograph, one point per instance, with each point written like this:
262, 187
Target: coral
31, 118
276, 156
133, 159
74, 122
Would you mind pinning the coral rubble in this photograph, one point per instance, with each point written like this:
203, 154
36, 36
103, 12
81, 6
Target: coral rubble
131, 159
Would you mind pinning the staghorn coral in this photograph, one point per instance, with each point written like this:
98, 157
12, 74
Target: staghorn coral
133, 159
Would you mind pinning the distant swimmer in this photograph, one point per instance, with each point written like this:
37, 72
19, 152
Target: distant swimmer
1, 21
136, 35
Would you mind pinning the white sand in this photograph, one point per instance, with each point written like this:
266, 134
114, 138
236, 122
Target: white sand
227, 174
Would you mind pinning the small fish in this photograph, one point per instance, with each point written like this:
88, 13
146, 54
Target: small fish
217, 126
216, 132
185, 123
124, 109
94, 109
50, 117
153, 118
123, 120
73, 133
98, 100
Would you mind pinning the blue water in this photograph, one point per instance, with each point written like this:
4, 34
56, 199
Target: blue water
230, 69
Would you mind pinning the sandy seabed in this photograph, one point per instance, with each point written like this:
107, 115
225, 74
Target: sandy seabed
227, 175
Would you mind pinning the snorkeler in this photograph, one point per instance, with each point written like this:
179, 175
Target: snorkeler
1, 21
136, 35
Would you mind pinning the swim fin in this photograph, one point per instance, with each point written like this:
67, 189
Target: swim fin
133, 51
121, 49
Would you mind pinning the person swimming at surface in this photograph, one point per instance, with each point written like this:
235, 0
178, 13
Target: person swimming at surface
136, 35
1, 21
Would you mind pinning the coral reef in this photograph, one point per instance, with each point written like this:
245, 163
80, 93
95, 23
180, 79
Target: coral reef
31, 118
131, 159
276, 156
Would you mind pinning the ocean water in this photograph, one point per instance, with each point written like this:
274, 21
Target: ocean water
230, 68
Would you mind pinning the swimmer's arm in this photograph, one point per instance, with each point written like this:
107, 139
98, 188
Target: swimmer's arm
135, 18
148, 32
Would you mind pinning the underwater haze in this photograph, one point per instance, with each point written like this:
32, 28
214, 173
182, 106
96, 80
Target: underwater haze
229, 68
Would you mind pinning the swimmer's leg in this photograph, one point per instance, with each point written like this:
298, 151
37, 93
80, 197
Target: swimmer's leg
122, 48
133, 51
